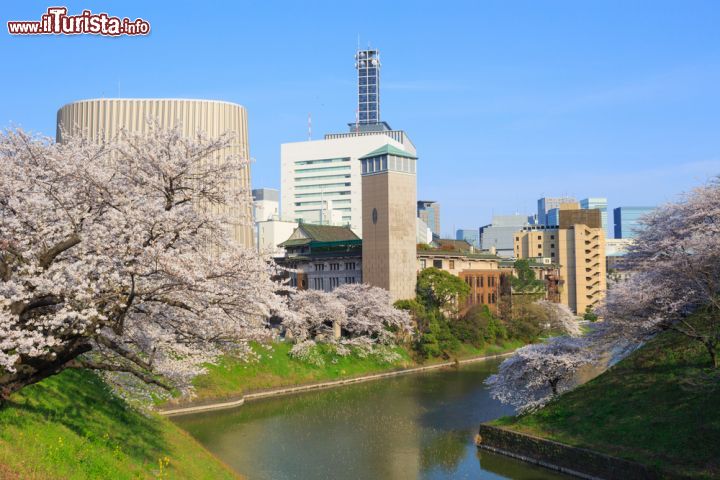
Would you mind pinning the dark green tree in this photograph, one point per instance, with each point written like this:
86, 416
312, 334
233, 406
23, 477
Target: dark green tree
440, 290
524, 281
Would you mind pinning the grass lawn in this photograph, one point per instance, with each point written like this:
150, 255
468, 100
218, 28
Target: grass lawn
660, 406
231, 377
71, 427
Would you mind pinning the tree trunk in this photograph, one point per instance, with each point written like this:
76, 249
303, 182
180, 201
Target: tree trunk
712, 350
36, 370
553, 385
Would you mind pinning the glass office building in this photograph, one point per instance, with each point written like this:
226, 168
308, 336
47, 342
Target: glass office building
626, 220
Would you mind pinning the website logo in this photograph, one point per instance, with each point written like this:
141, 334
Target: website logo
57, 22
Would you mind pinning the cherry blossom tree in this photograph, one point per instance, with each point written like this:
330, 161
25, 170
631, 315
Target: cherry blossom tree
558, 317
370, 313
537, 373
364, 313
675, 279
113, 256
313, 313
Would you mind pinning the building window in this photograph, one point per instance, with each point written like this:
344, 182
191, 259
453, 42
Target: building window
552, 245
539, 237
334, 266
437, 264
552, 254
552, 237
452, 264
423, 264
480, 282
349, 265
319, 267
334, 282
517, 239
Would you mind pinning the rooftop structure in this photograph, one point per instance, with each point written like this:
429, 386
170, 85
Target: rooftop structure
367, 64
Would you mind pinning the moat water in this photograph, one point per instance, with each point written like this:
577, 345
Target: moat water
407, 427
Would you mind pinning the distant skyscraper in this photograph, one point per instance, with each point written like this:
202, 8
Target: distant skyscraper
546, 204
429, 212
470, 236
367, 63
601, 204
626, 220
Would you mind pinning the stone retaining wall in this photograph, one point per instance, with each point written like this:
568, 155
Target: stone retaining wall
563, 458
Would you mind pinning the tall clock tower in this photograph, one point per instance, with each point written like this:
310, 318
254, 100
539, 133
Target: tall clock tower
389, 194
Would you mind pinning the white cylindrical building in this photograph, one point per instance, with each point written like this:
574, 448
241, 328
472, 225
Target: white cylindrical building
104, 117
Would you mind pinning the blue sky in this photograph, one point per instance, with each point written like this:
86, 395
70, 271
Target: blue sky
506, 101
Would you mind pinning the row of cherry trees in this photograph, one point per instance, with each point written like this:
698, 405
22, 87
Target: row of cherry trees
114, 257
673, 284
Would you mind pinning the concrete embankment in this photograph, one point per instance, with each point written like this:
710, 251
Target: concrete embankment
563, 458
198, 408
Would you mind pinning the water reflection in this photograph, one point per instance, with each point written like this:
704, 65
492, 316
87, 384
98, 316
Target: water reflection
417, 426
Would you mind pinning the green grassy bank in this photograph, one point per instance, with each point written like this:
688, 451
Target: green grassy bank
276, 368
659, 407
71, 427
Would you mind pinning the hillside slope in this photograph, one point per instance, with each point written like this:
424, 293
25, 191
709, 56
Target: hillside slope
71, 427
659, 406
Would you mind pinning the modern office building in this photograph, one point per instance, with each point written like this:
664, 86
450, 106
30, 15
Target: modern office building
97, 119
599, 203
320, 180
577, 245
429, 212
627, 220
266, 204
470, 236
388, 215
500, 232
546, 204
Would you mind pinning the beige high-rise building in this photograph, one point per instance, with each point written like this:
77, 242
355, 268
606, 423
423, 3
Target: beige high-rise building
103, 118
388, 220
578, 247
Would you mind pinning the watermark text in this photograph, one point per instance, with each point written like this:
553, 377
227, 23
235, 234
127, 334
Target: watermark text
57, 22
